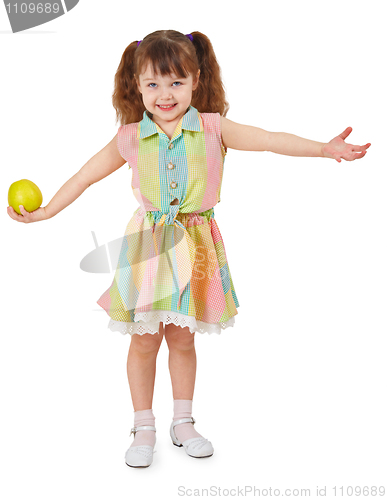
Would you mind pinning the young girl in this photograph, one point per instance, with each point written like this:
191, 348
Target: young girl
172, 277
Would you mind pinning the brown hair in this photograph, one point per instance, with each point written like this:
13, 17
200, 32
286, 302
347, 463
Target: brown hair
169, 51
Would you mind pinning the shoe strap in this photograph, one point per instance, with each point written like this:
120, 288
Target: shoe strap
183, 420
142, 428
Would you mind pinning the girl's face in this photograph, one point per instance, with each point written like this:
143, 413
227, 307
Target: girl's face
166, 97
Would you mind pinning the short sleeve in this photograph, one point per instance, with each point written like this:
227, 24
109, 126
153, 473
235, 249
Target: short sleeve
126, 141
212, 122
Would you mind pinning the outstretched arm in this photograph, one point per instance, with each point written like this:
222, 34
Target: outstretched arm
248, 138
99, 166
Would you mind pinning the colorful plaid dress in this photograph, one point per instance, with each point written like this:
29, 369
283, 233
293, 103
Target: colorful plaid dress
172, 266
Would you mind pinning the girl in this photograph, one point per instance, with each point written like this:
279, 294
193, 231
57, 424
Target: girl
172, 277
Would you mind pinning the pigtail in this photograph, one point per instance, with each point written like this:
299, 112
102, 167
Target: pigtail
126, 97
210, 96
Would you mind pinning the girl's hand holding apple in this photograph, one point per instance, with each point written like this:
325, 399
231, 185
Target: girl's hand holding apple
25, 199
26, 217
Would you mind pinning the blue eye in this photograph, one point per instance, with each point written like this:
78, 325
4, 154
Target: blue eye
178, 83
150, 85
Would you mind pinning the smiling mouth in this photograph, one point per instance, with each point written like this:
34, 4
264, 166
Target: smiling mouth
168, 106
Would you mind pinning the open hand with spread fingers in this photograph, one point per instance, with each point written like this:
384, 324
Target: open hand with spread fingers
337, 148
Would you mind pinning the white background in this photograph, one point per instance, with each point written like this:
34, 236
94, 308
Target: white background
294, 395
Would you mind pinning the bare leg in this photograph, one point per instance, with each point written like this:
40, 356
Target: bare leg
182, 360
182, 367
141, 367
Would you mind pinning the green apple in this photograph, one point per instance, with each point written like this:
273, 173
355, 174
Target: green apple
26, 193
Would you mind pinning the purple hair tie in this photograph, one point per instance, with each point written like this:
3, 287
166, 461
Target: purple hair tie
189, 36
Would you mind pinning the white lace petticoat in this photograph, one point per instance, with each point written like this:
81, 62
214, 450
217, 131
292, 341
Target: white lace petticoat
149, 322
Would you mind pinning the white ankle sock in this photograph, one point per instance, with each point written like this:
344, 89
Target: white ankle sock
144, 417
182, 408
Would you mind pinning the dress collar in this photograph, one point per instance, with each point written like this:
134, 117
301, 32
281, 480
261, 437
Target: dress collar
190, 121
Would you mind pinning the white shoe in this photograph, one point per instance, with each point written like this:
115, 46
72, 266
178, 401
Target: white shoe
140, 456
197, 447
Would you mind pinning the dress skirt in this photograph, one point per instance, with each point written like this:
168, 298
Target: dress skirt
171, 269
